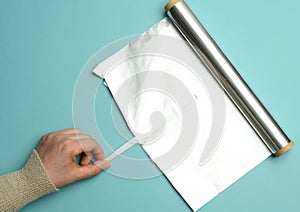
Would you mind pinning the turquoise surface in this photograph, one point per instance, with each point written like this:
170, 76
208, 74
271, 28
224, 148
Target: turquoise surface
45, 44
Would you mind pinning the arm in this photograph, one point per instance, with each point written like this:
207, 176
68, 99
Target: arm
23, 186
51, 166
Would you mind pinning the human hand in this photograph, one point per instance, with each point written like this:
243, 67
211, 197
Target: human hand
58, 151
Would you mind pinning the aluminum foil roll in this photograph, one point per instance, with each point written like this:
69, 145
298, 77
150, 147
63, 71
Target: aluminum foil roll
228, 77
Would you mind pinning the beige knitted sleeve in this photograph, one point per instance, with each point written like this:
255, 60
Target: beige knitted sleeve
25, 185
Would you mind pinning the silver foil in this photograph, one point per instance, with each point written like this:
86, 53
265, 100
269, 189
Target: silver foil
228, 77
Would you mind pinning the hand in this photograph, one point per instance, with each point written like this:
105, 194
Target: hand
58, 151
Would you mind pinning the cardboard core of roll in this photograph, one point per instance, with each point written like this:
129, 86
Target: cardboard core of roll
285, 149
171, 4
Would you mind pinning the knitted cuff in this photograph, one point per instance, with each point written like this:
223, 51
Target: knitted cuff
22, 187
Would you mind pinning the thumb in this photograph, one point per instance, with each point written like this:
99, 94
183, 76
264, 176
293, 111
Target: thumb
91, 170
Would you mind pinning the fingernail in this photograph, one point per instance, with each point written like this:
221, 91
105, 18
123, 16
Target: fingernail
102, 164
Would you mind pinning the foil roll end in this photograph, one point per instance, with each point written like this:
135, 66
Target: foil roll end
171, 4
285, 149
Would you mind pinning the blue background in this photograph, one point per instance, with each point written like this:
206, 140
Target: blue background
45, 44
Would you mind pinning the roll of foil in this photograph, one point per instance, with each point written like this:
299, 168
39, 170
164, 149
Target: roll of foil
228, 77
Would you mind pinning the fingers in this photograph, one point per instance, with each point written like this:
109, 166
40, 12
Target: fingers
77, 136
85, 159
90, 146
87, 144
51, 135
102, 164
63, 132
91, 170
67, 131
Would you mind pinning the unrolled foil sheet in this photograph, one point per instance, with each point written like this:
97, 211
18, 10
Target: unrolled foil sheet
225, 147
